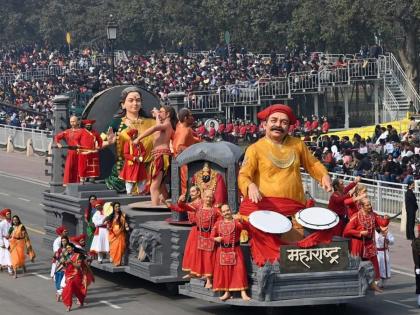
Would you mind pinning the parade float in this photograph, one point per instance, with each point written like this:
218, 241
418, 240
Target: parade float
322, 274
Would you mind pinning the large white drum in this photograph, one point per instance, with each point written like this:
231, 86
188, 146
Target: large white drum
317, 218
270, 222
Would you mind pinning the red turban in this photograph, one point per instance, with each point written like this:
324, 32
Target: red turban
5, 211
277, 108
78, 238
98, 202
88, 122
60, 230
132, 132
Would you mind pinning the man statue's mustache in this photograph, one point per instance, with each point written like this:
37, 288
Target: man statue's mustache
275, 128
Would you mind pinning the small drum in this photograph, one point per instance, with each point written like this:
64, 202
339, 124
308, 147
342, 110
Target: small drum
317, 218
270, 222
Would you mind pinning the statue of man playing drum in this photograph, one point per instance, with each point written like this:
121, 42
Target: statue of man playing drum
270, 179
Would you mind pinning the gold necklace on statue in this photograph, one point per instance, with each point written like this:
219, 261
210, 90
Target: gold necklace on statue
132, 123
287, 154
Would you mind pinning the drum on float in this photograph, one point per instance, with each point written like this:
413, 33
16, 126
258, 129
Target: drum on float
317, 218
270, 222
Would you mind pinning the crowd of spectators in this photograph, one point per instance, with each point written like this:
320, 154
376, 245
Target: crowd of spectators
386, 155
30, 76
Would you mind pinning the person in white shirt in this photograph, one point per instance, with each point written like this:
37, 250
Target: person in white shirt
5, 260
60, 231
100, 243
383, 240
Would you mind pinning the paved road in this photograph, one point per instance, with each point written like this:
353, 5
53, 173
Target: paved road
33, 293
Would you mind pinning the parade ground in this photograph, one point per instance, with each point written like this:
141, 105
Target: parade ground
22, 183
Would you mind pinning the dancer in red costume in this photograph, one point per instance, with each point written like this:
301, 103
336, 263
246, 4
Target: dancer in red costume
229, 266
336, 202
202, 259
74, 279
72, 138
361, 230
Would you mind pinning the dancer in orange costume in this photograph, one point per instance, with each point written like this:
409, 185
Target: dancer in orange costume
118, 228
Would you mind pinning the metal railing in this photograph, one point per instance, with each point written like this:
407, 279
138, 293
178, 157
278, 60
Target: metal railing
20, 137
204, 100
274, 88
407, 86
238, 94
304, 82
386, 197
390, 103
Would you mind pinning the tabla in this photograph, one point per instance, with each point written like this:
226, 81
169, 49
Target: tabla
317, 218
270, 222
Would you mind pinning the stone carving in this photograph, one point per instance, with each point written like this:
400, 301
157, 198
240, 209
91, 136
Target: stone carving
366, 275
266, 279
148, 243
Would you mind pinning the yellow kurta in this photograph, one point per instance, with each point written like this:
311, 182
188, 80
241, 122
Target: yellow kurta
273, 181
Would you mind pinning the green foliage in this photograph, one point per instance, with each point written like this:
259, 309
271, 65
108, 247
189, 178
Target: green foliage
258, 25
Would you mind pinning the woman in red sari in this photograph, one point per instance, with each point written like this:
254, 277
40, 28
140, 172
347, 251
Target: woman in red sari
19, 239
202, 258
74, 278
229, 267
118, 229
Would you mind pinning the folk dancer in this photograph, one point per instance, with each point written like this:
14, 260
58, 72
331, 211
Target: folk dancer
134, 170
19, 244
336, 202
60, 231
72, 138
383, 240
163, 131
79, 243
118, 230
202, 259
100, 242
230, 272
90, 143
58, 259
271, 161
357, 193
5, 225
90, 227
361, 231
74, 278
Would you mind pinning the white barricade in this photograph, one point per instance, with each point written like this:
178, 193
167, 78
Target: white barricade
20, 136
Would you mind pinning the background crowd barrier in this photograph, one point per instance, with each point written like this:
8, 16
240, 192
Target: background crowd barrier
20, 136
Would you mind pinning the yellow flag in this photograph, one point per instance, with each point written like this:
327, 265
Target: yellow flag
68, 38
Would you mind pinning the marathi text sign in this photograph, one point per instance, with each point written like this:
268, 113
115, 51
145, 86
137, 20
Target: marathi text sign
331, 257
